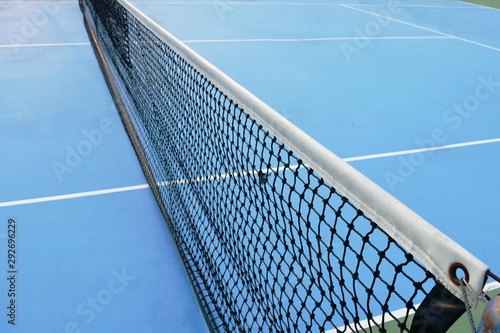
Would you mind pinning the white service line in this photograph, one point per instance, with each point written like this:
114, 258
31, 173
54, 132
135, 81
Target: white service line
72, 196
422, 150
418, 6
238, 3
475, 5
491, 286
43, 45
36, 2
235, 3
379, 320
305, 39
227, 175
237, 174
421, 27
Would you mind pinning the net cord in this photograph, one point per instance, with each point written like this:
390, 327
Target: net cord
432, 247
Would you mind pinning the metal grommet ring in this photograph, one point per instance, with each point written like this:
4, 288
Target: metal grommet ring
454, 269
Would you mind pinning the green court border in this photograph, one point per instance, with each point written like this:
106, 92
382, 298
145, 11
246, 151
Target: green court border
487, 3
462, 325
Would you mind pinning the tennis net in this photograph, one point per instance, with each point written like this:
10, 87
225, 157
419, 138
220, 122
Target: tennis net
277, 233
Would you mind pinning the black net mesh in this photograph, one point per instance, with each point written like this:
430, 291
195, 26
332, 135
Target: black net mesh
268, 244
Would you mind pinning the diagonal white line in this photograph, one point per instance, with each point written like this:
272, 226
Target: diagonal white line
238, 3
227, 175
475, 5
72, 196
420, 27
417, 6
43, 45
236, 174
422, 150
235, 3
305, 39
35, 2
378, 320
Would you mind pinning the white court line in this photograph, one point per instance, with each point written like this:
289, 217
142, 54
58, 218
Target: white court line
422, 150
305, 39
491, 286
227, 175
237, 3
376, 320
420, 6
41, 2
424, 28
236, 174
475, 5
43, 45
72, 196
350, 159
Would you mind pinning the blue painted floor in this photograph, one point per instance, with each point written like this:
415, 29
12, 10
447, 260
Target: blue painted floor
94, 263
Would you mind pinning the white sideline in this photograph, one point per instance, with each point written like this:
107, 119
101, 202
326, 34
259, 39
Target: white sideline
306, 39
42, 45
423, 28
421, 150
475, 5
236, 174
238, 3
72, 196
376, 320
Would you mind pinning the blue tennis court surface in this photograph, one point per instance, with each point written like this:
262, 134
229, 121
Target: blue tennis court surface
407, 91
